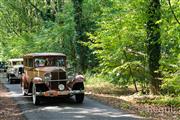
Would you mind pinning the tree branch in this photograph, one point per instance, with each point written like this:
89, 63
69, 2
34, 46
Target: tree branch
173, 12
8, 22
137, 53
37, 9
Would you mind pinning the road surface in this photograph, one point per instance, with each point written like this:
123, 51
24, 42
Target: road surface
64, 109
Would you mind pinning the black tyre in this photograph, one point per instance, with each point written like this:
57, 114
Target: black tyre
24, 92
79, 98
35, 98
10, 81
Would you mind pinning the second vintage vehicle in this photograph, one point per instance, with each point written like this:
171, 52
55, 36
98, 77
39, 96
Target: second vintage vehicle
15, 70
45, 76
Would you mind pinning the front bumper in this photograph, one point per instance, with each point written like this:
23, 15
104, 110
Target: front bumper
54, 93
14, 78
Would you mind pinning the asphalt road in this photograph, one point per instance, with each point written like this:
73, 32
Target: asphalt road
64, 109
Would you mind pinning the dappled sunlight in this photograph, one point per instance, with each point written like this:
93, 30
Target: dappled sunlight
67, 107
14, 94
52, 108
79, 112
79, 116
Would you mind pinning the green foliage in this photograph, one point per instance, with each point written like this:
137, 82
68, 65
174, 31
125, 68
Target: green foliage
114, 42
119, 43
171, 84
163, 100
170, 60
32, 33
137, 71
114, 30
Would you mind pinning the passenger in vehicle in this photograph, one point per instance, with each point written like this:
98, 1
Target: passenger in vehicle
37, 63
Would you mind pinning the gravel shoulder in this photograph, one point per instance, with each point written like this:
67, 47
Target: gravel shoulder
9, 110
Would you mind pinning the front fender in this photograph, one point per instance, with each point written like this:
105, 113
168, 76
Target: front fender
24, 82
76, 80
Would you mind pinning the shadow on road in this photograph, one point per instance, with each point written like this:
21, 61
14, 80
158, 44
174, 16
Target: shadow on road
63, 108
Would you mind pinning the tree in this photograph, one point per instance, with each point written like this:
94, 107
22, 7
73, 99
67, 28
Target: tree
153, 44
79, 36
36, 26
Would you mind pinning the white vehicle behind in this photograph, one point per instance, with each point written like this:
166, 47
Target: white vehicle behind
15, 70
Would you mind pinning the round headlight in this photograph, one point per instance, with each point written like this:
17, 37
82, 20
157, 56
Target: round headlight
47, 76
61, 87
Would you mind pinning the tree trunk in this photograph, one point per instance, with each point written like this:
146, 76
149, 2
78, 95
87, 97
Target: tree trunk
80, 52
154, 45
50, 13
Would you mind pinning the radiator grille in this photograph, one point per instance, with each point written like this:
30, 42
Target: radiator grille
57, 76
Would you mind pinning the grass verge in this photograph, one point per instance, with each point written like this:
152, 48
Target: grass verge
156, 107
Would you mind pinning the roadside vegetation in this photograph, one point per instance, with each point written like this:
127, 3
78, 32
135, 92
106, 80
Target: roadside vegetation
124, 47
126, 98
100, 85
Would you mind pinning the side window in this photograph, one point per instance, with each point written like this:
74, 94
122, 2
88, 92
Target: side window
40, 62
24, 63
14, 63
60, 62
30, 62
9, 64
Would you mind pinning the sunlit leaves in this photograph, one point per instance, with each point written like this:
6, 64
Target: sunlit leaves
121, 26
23, 30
